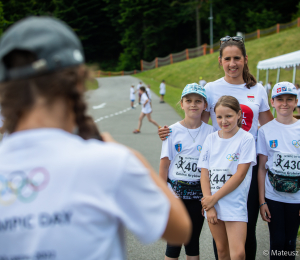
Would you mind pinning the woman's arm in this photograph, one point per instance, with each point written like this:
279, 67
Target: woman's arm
237, 178
265, 117
163, 132
205, 116
164, 168
261, 177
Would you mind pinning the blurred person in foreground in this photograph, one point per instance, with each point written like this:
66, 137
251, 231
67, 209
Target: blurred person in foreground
63, 196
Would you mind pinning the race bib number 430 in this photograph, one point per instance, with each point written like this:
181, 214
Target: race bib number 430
218, 178
286, 164
185, 167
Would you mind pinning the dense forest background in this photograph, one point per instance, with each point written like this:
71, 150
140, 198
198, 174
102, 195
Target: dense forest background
117, 34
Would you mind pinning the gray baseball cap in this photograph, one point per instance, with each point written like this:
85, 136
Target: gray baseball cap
51, 40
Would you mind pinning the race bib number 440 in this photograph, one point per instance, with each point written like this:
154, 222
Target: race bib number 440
286, 164
185, 167
218, 178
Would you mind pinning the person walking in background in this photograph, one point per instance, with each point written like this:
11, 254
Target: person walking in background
149, 94
202, 82
183, 148
146, 110
132, 96
64, 196
137, 89
241, 84
162, 91
279, 172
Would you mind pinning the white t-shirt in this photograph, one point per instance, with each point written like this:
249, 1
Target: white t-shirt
147, 109
280, 142
162, 88
149, 93
183, 152
74, 198
138, 86
222, 157
252, 102
202, 82
132, 94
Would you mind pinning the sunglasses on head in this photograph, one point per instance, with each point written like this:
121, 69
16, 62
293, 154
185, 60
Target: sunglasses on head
234, 38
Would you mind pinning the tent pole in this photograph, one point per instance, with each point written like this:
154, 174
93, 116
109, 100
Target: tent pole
267, 77
257, 75
278, 75
294, 74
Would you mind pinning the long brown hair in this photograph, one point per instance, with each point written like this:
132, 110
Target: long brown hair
18, 96
248, 78
232, 103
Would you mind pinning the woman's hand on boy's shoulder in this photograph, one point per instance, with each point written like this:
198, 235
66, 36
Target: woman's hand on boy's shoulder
163, 132
208, 202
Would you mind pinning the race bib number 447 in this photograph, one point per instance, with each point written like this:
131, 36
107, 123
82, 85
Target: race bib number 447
185, 166
218, 178
286, 164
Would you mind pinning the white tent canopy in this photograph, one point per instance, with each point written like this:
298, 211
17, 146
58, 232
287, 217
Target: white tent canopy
287, 61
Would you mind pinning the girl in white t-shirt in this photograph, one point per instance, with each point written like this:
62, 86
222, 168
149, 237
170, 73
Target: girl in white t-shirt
241, 84
146, 110
178, 164
279, 172
225, 162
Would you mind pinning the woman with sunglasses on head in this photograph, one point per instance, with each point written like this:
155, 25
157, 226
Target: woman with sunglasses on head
241, 84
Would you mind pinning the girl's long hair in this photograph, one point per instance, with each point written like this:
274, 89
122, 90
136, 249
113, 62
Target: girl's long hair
19, 96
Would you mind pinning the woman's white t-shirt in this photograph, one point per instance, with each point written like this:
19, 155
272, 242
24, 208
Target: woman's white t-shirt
183, 152
281, 143
221, 157
147, 109
132, 94
68, 198
252, 102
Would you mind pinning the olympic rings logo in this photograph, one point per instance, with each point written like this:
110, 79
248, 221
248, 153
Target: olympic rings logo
17, 185
233, 157
199, 148
296, 143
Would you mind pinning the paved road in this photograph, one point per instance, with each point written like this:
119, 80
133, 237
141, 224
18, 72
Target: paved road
110, 107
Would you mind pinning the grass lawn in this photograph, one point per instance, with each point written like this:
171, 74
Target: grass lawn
91, 84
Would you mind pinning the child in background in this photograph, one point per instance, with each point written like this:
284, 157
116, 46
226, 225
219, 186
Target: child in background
225, 161
178, 164
279, 172
132, 96
146, 110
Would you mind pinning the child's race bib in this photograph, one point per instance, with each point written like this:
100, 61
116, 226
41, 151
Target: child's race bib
218, 178
185, 167
286, 164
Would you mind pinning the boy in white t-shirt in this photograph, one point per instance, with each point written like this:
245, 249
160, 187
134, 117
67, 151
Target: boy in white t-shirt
178, 164
132, 97
278, 146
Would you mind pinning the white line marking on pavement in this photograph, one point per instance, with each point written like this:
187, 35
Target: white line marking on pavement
111, 115
100, 106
